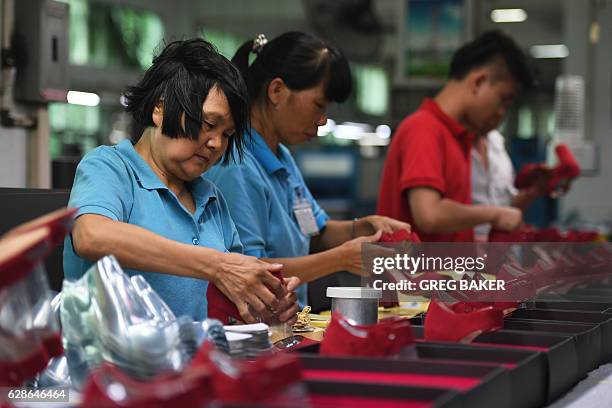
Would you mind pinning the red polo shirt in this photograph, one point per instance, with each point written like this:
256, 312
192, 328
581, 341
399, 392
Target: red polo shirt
429, 149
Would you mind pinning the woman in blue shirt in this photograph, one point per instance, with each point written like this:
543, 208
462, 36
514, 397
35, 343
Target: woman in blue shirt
148, 203
291, 82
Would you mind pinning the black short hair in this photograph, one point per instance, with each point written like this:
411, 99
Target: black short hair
301, 60
488, 47
182, 76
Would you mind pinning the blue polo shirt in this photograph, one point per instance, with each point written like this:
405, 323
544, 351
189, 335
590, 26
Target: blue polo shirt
117, 183
260, 192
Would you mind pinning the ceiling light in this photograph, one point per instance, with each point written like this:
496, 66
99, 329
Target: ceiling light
83, 98
508, 15
383, 131
549, 51
327, 128
348, 131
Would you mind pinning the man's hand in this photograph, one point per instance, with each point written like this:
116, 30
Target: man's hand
507, 219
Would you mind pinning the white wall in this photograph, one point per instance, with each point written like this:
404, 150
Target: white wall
591, 196
13, 157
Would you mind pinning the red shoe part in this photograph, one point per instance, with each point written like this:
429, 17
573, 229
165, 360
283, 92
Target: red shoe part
527, 234
190, 388
220, 307
567, 169
460, 322
20, 253
395, 237
59, 222
236, 381
386, 338
400, 236
15, 373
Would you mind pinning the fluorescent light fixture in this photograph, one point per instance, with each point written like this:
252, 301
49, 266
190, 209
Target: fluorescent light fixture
363, 126
351, 132
83, 98
327, 128
373, 139
549, 51
508, 15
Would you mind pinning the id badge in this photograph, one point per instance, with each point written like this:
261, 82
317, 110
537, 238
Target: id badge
302, 209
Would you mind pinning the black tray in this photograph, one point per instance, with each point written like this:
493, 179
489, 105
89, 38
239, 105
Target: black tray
592, 291
587, 338
603, 320
528, 370
492, 387
560, 352
434, 397
584, 306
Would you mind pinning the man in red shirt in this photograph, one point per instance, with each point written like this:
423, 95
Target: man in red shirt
426, 178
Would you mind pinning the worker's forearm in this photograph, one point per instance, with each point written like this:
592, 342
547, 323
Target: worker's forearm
335, 233
449, 216
311, 267
140, 249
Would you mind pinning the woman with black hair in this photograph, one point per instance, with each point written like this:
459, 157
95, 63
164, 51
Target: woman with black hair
148, 203
291, 82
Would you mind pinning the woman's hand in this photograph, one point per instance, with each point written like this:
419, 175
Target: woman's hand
249, 284
350, 253
288, 307
368, 225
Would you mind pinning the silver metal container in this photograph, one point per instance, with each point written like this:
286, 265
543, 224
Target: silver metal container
357, 304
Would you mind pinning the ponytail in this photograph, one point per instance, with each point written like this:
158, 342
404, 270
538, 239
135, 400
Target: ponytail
241, 58
301, 60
